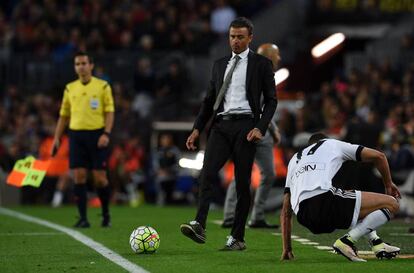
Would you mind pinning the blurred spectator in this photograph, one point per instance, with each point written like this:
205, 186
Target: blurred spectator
100, 73
166, 169
125, 119
9, 156
144, 78
126, 163
221, 17
146, 43
44, 27
169, 91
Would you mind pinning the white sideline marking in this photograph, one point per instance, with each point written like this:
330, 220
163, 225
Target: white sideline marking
310, 243
296, 238
101, 249
305, 241
324, 247
31, 234
302, 240
402, 234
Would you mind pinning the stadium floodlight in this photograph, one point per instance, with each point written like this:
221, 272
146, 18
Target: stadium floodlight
196, 163
281, 75
327, 45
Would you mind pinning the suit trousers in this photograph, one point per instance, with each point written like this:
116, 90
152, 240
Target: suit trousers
228, 138
265, 162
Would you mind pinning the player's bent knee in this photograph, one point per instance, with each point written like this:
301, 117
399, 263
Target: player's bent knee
394, 205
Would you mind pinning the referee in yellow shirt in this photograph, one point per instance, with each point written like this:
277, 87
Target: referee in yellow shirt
88, 107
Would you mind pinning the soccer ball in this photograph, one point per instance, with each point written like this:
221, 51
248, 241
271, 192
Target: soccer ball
144, 239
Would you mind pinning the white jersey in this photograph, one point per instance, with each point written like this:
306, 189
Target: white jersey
311, 170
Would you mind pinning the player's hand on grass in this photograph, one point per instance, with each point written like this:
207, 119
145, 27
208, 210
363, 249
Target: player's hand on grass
393, 190
287, 255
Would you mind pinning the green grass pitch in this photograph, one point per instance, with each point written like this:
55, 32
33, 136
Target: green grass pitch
28, 247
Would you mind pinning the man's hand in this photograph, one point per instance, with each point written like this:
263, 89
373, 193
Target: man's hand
191, 140
393, 190
254, 135
103, 141
55, 147
287, 255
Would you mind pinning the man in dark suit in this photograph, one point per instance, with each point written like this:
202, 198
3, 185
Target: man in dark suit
240, 119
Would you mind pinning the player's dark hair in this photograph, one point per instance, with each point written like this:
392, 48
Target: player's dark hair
316, 137
83, 53
242, 22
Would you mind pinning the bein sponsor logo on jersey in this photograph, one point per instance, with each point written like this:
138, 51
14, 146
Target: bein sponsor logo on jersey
309, 167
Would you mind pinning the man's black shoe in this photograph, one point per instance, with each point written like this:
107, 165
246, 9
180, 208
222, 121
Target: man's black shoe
82, 223
227, 223
261, 224
233, 244
106, 221
194, 231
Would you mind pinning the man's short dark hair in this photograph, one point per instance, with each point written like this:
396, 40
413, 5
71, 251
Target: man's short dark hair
316, 137
83, 53
242, 22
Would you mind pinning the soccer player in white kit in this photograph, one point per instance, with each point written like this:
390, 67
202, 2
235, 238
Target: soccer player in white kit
323, 208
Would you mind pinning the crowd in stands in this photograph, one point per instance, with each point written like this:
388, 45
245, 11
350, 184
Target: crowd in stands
132, 40
59, 27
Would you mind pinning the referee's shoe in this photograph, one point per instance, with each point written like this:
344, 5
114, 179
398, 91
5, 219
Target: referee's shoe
346, 248
194, 231
82, 223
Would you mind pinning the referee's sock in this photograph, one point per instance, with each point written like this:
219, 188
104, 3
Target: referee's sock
81, 198
370, 223
104, 195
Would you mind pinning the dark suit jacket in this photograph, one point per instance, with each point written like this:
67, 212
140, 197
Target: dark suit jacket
259, 81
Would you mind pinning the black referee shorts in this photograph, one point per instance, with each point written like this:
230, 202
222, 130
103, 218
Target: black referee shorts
84, 151
329, 211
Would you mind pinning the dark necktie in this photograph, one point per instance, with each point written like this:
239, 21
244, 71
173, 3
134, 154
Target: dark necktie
226, 83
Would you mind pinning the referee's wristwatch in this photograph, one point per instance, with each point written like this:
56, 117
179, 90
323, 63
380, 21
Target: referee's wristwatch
108, 134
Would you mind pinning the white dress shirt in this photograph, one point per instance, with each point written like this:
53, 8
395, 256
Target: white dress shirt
235, 99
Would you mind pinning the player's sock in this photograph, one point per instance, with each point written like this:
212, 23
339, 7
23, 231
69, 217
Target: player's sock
104, 195
81, 196
372, 236
370, 223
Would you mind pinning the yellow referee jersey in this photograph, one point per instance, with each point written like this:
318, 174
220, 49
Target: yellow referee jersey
86, 104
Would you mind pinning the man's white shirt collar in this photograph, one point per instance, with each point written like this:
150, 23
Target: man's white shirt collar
242, 55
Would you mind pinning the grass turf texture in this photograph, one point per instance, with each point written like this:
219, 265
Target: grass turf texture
27, 247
